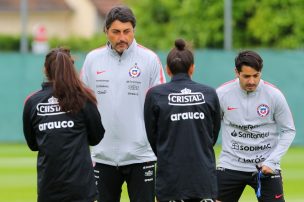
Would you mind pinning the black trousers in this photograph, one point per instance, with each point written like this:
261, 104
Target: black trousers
140, 179
231, 184
191, 200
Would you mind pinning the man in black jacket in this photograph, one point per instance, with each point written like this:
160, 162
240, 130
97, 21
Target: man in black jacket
182, 120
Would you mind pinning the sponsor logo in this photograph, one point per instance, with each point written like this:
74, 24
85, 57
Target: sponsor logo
136, 82
147, 167
102, 86
55, 125
96, 175
249, 135
100, 72
134, 72
133, 87
263, 110
220, 168
253, 135
135, 94
244, 127
101, 92
102, 80
233, 134
231, 108
149, 173
277, 196
187, 115
258, 159
237, 146
50, 108
186, 97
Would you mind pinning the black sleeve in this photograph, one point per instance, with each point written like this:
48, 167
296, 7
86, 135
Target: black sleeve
151, 117
28, 130
216, 118
93, 123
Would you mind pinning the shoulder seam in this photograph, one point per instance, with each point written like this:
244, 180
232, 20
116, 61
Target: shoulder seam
270, 84
147, 49
30, 95
226, 83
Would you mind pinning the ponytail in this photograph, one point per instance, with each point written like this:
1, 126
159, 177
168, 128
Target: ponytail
68, 88
180, 58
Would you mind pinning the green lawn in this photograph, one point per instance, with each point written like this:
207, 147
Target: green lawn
18, 175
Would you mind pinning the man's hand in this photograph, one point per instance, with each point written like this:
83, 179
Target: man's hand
266, 170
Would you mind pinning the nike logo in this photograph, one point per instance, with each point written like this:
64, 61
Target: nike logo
278, 196
231, 108
100, 72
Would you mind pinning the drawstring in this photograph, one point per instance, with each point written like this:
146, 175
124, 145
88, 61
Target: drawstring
259, 175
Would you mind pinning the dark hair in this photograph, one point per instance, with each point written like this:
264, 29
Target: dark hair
180, 58
68, 88
121, 13
248, 58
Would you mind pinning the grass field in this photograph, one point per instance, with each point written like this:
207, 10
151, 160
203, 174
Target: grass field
18, 175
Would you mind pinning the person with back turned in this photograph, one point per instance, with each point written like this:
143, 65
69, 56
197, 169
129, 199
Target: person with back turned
60, 122
182, 120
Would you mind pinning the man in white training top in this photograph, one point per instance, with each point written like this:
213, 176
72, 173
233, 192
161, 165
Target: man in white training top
120, 74
257, 130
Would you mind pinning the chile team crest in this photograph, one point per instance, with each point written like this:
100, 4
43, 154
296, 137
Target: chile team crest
134, 72
263, 110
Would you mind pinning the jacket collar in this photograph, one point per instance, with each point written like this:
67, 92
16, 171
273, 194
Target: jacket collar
125, 53
180, 76
258, 89
46, 85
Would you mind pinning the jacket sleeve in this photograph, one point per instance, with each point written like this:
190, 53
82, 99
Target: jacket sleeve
216, 118
158, 75
151, 117
28, 130
83, 73
286, 130
93, 122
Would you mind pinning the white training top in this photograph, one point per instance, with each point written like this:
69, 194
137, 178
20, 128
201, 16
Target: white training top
257, 127
120, 84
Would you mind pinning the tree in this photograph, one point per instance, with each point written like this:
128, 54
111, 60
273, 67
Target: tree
160, 22
256, 23
278, 24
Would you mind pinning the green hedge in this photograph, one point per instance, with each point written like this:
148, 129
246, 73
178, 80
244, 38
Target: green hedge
9, 43
79, 43
12, 43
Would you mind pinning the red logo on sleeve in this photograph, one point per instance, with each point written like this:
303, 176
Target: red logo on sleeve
231, 108
100, 72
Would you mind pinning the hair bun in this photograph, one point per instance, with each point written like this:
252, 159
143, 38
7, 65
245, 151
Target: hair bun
180, 44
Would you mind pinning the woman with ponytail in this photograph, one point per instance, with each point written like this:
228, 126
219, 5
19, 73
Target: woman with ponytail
182, 120
60, 122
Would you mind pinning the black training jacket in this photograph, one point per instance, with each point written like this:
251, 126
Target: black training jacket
65, 171
182, 120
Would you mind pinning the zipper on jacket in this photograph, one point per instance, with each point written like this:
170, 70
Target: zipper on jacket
119, 58
247, 105
247, 101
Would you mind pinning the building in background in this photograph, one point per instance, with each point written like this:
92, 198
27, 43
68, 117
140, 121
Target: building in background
61, 18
